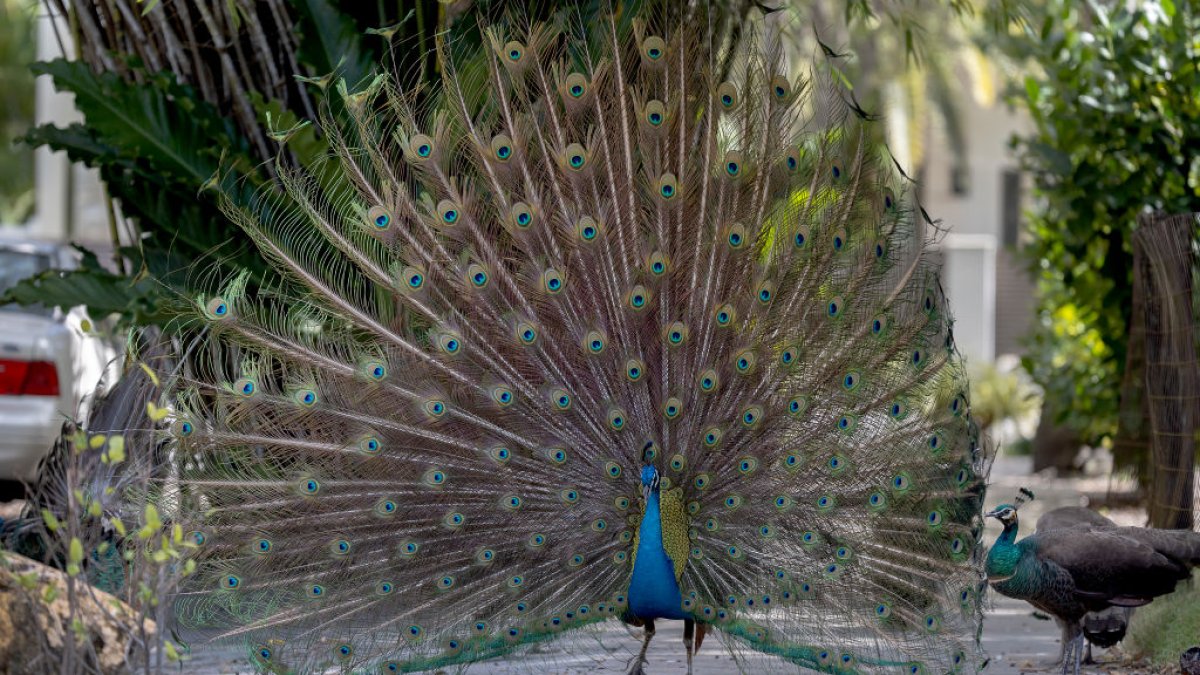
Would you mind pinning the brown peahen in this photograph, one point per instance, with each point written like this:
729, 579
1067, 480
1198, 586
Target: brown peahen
1106, 627
626, 321
1068, 573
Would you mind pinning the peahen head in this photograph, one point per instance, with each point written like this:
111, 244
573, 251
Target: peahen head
1005, 513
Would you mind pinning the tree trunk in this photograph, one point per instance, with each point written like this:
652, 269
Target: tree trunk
1054, 445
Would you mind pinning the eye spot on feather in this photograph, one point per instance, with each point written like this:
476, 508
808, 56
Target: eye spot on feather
781, 89
839, 240
386, 507
765, 292
502, 147
752, 416
576, 156
678, 462
454, 520
727, 95
800, 239
733, 164
521, 215
889, 200
616, 419
709, 381
655, 113
552, 281
379, 218
514, 51
420, 147
672, 407
676, 333
502, 395
310, 486
408, 549
576, 85
612, 469
435, 408
526, 333
653, 48
588, 229
668, 187
560, 399
556, 455
712, 436
315, 591
500, 454
340, 547
185, 428
725, 315
245, 387
634, 369
835, 307
639, 296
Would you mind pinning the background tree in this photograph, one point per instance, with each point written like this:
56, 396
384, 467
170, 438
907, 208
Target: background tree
1111, 89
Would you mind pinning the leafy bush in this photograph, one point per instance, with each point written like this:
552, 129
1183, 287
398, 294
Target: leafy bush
1117, 132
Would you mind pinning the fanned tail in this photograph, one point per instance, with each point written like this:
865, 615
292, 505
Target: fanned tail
501, 299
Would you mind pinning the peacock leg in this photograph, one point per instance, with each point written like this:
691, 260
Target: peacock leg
1073, 643
689, 641
639, 663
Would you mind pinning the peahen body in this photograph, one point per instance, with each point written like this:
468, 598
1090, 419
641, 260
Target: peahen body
1069, 573
1106, 627
628, 323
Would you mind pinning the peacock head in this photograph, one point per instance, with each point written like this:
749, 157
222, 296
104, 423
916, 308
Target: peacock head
649, 481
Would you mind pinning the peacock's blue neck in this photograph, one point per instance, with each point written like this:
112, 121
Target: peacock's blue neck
1005, 554
653, 589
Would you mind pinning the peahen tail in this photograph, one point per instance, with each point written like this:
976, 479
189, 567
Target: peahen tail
629, 245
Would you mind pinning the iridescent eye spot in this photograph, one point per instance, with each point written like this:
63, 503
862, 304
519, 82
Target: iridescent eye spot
732, 168
701, 481
836, 171
556, 455
799, 240
262, 546
576, 90
712, 437
198, 537
310, 486
340, 547
245, 387
264, 653
316, 591
764, 295
501, 454
185, 428
445, 583
612, 469
655, 118
409, 548
230, 581
825, 502
386, 507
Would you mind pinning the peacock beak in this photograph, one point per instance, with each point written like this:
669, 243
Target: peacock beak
994, 513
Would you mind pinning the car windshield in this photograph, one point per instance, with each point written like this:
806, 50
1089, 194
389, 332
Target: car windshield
17, 265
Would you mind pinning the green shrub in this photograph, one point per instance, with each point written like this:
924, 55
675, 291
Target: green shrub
1167, 627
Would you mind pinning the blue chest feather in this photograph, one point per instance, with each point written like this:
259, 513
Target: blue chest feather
653, 590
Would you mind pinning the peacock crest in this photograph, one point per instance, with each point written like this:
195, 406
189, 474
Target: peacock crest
498, 303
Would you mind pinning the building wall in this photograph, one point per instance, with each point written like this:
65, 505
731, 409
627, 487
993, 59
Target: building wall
989, 291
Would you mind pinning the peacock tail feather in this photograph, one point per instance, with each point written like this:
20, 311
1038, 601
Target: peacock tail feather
601, 248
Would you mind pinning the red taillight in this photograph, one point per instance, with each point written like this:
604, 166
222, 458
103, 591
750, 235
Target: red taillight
28, 378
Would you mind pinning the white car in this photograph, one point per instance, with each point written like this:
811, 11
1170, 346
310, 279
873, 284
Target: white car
47, 365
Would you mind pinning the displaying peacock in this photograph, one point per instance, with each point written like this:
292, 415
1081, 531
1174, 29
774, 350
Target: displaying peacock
624, 322
1074, 571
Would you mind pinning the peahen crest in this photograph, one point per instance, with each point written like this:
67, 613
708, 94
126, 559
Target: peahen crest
502, 301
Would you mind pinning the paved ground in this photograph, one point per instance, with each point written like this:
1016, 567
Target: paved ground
1016, 641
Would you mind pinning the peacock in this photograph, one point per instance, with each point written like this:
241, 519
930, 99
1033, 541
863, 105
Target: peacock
625, 322
1071, 572
1104, 628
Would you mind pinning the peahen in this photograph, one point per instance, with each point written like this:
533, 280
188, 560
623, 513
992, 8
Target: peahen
1106, 627
1068, 573
623, 322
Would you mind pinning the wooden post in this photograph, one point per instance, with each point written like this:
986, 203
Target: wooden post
1172, 379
